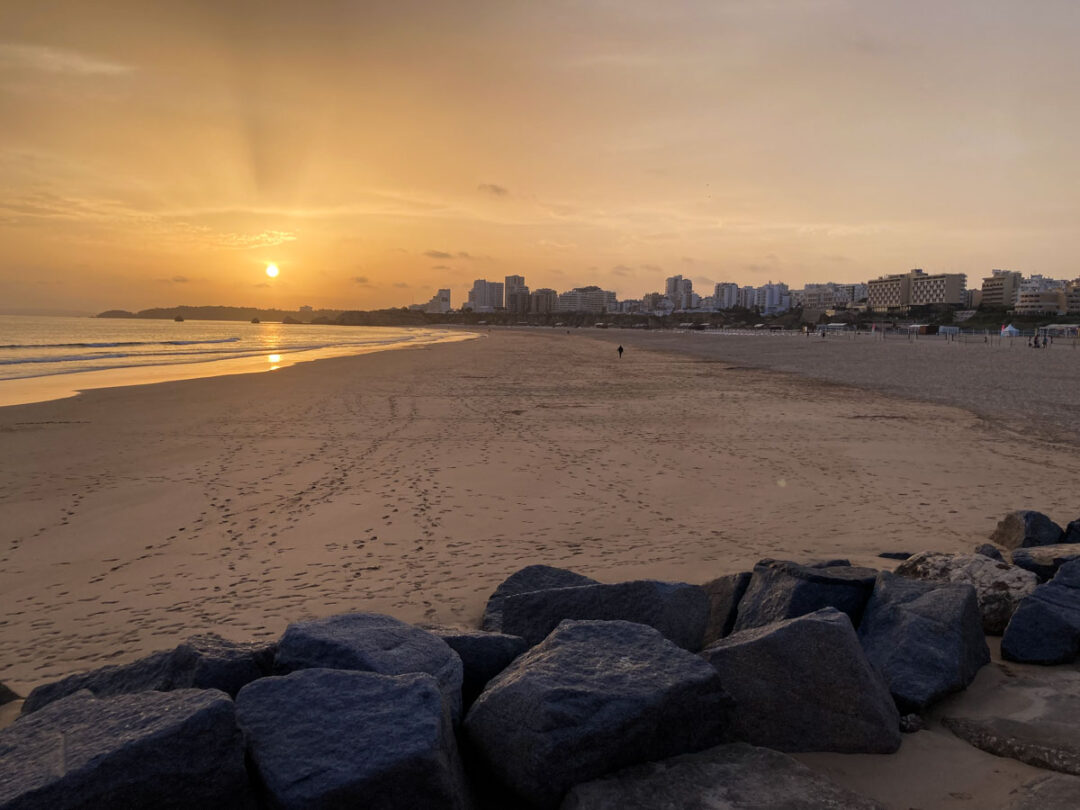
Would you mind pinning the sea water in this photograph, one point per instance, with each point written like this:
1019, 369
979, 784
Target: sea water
76, 353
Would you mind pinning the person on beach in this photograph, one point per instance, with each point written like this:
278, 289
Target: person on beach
620, 352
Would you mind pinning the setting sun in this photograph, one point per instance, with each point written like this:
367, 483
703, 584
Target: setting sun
272, 271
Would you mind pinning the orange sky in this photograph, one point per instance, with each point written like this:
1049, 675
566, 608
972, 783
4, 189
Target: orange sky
163, 153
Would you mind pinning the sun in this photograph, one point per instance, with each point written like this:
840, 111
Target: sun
272, 271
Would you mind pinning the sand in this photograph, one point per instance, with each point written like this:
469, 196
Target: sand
412, 482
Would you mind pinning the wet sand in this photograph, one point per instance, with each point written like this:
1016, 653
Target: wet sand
412, 482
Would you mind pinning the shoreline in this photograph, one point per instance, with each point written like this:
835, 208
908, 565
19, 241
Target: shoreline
51, 387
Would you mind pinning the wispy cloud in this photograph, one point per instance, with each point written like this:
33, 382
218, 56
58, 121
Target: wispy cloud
57, 60
363, 281
492, 188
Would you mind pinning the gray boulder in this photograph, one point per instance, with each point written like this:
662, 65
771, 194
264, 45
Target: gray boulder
724, 594
999, 586
1046, 627
1044, 561
371, 642
1026, 528
780, 589
990, 550
677, 610
7, 695
202, 662
1072, 532
591, 698
804, 684
925, 638
728, 777
483, 656
326, 738
176, 750
530, 578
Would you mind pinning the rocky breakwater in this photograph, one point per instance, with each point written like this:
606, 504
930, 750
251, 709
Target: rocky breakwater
576, 694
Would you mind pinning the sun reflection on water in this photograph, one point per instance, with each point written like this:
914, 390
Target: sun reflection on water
273, 358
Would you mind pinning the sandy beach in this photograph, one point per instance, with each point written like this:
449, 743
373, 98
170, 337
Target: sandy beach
412, 482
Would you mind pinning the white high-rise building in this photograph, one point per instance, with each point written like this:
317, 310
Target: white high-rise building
485, 296
747, 297
725, 295
772, 299
586, 299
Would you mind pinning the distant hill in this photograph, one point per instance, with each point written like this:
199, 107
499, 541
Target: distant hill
226, 314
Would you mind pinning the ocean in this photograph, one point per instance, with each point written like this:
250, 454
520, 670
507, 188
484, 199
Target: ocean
71, 351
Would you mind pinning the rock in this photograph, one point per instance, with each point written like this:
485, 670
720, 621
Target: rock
1054, 747
835, 563
202, 662
910, 723
483, 656
724, 594
1053, 792
728, 777
530, 578
328, 738
989, 550
1072, 532
171, 750
1044, 561
895, 555
591, 698
998, 585
925, 638
371, 642
1046, 626
7, 695
677, 610
804, 684
780, 589
1026, 528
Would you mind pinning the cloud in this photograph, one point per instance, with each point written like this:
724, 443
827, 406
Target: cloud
491, 188
441, 267
174, 280
362, 280
55, 60
261, 284
401, 285
622, 270
687, 260
652, 268
442, 254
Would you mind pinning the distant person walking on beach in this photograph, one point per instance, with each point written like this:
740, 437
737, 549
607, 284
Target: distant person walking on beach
620, 352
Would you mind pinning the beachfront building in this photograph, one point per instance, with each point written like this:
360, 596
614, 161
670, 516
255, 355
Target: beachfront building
485, 296
830, 295
725, 295
1072, 298
513, 284
939, 288
916, 288
890, 292
999, 290
543, 301
772, 299
680, 291
438, 305
747, 297
585, 299
1037, 302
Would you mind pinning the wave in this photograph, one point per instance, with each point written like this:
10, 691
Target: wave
122, 344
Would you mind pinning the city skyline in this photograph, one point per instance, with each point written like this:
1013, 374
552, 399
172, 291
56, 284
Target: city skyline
376, 152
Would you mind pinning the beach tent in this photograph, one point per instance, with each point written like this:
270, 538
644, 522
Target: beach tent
1010, 331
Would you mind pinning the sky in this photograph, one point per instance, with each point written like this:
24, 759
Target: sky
156, 154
